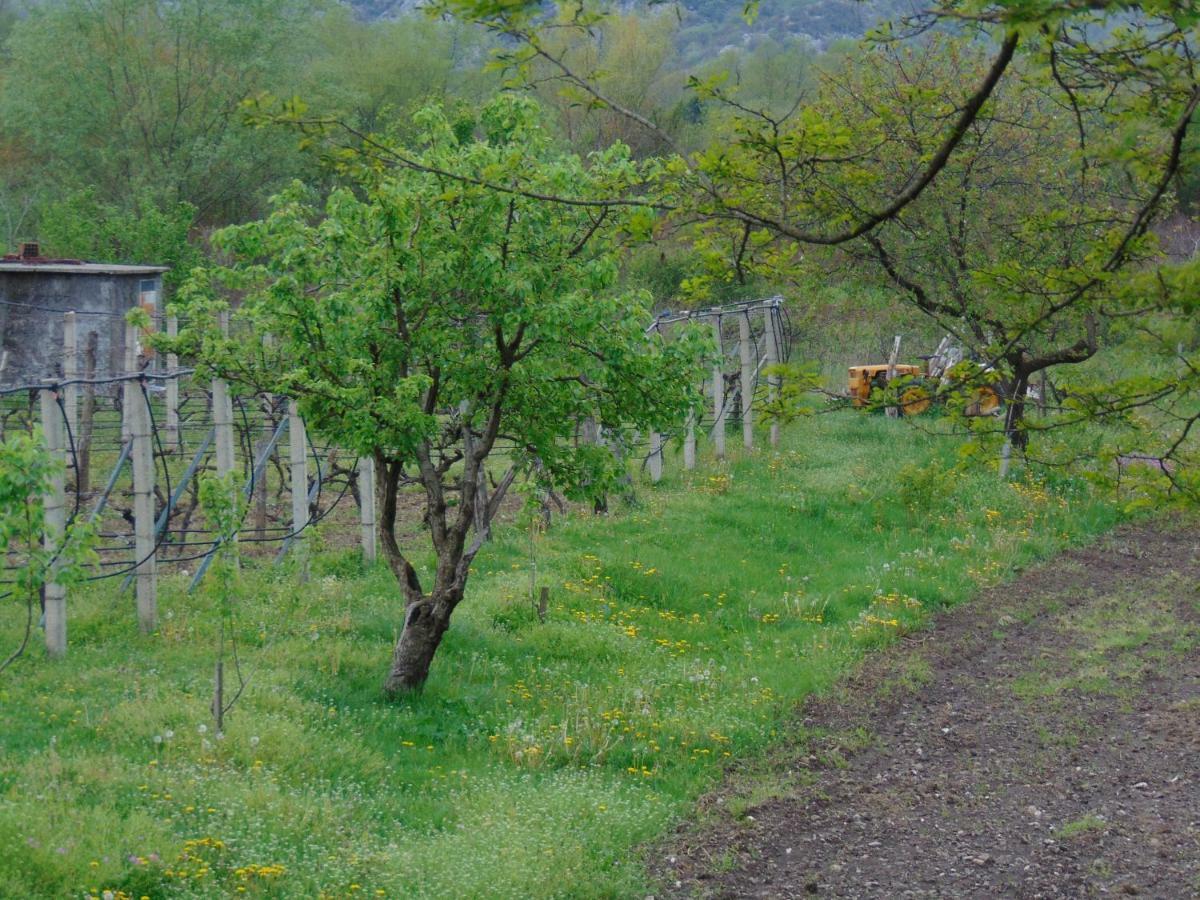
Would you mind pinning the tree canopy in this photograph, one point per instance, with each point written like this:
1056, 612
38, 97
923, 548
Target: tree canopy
437, 326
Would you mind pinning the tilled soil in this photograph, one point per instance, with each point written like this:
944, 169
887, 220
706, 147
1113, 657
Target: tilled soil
1041, 741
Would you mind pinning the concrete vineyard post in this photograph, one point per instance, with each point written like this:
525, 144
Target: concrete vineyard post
689, 441
266, 408
143, 508
128, 387
718, 393
83, 444
298, 450
772, 340
70, 374
171, 438
747, 382
55, 508
366, 495
1005, 458
222, 415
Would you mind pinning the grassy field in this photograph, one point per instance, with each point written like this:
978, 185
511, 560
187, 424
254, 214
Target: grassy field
542, 757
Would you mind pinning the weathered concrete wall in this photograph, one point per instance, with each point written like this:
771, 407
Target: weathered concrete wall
31, 321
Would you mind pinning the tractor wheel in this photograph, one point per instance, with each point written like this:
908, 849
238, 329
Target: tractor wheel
915, 400
987, 401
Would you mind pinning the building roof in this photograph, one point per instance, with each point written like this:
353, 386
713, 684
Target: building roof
62, 267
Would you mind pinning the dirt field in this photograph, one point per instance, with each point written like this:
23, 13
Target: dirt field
1042, 741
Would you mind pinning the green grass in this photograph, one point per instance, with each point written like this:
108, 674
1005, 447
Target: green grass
681, 633
1081, 826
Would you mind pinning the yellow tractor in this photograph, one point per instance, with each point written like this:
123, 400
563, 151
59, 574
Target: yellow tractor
865, 379
924, 385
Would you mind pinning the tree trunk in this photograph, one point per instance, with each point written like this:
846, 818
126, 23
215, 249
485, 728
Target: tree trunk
424, 626
1015, 415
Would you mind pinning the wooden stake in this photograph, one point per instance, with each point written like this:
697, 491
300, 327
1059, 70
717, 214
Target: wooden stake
55, 509
893, 412
747, 355
718, 394
366, 499
143, 508
219, 696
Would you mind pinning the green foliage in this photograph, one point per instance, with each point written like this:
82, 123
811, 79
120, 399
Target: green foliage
224, 509
923, 487
374, 75
144, 109
423, 316
419, 282
81, 226
794, 395
26, 474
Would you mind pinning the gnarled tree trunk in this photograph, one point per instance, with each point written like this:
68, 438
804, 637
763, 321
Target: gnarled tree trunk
425, 623
427, 615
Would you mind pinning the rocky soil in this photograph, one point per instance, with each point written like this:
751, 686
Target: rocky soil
1042, 741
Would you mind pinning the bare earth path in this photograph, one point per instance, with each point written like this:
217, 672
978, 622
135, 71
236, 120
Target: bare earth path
1042, 741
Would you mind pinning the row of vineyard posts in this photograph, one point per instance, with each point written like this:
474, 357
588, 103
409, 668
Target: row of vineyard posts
150, 441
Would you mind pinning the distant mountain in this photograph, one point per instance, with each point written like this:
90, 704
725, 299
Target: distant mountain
821, 21
383, 9
714, 24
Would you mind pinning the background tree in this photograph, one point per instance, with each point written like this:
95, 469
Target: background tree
79, 225
1021, 218
147, 102
376, 74
439, 326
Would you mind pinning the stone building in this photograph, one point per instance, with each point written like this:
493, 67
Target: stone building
36, 293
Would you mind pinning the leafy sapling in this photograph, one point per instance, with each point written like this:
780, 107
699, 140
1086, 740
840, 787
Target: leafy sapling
27, 472
224, 506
